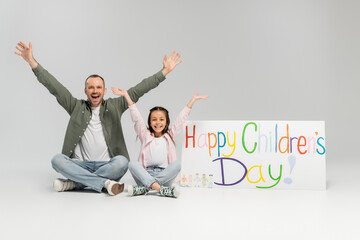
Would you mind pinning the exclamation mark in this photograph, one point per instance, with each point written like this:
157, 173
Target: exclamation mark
292, 161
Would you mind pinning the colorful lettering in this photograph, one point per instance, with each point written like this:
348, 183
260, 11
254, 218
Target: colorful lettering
187, 137
260, 174
243, 137
230, 145
211, 146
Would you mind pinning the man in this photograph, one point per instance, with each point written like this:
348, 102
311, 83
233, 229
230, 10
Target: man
94, 153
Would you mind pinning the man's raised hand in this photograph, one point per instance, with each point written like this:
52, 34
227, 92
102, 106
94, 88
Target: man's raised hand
170, 63
26, 53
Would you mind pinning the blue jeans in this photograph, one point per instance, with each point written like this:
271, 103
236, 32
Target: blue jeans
91, 174
146, 177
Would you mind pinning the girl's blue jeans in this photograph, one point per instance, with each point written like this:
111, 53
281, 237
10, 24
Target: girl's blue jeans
146, 177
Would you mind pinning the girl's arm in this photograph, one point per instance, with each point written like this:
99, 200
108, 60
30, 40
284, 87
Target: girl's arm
124, 93
184, 114
140, 127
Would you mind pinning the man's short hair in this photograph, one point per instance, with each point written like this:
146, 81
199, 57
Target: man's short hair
94, 76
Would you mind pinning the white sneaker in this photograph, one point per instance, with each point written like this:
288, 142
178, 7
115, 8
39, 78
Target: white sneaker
114, 188
61, 185
130, 190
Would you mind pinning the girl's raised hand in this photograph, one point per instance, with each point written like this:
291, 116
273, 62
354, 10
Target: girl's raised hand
124, 93
195, 98
119, 91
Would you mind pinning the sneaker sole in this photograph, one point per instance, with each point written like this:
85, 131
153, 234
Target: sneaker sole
176, 192
117, 188
58, 185
130, 190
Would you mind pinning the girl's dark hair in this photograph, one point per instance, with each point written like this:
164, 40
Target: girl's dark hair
166, 129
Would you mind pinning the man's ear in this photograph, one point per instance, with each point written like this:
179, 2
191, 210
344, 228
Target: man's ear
105, 91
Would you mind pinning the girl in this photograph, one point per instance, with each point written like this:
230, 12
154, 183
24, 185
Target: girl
157, 166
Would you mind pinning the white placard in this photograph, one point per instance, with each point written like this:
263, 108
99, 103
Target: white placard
254, 154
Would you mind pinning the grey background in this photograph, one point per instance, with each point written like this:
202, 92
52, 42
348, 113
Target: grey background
259, 60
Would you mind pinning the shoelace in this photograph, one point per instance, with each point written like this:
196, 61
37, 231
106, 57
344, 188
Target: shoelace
167, 191
139, 190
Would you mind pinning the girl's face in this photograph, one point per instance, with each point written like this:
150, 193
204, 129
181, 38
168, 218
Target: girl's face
158, 122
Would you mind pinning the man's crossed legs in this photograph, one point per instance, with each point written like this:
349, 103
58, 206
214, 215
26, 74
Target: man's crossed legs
94, 174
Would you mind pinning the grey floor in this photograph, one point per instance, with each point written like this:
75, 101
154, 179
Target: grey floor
30, 209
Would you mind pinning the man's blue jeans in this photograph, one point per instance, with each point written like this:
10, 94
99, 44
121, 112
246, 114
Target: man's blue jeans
91, 174
146, 177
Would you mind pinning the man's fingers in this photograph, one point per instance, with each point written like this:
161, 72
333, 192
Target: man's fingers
177, 56
19, 49
23, 45
17, 53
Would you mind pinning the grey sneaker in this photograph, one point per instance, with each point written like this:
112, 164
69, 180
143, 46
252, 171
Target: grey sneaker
169, 191
137, 190
62, 185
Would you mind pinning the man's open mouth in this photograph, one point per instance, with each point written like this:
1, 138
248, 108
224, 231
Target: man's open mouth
95, 97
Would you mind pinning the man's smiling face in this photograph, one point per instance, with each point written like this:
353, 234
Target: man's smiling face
95, 91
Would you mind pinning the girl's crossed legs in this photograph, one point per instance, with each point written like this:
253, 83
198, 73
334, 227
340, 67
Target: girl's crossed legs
154, 177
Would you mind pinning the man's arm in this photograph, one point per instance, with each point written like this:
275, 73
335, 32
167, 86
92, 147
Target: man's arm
153, 81
63, 96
